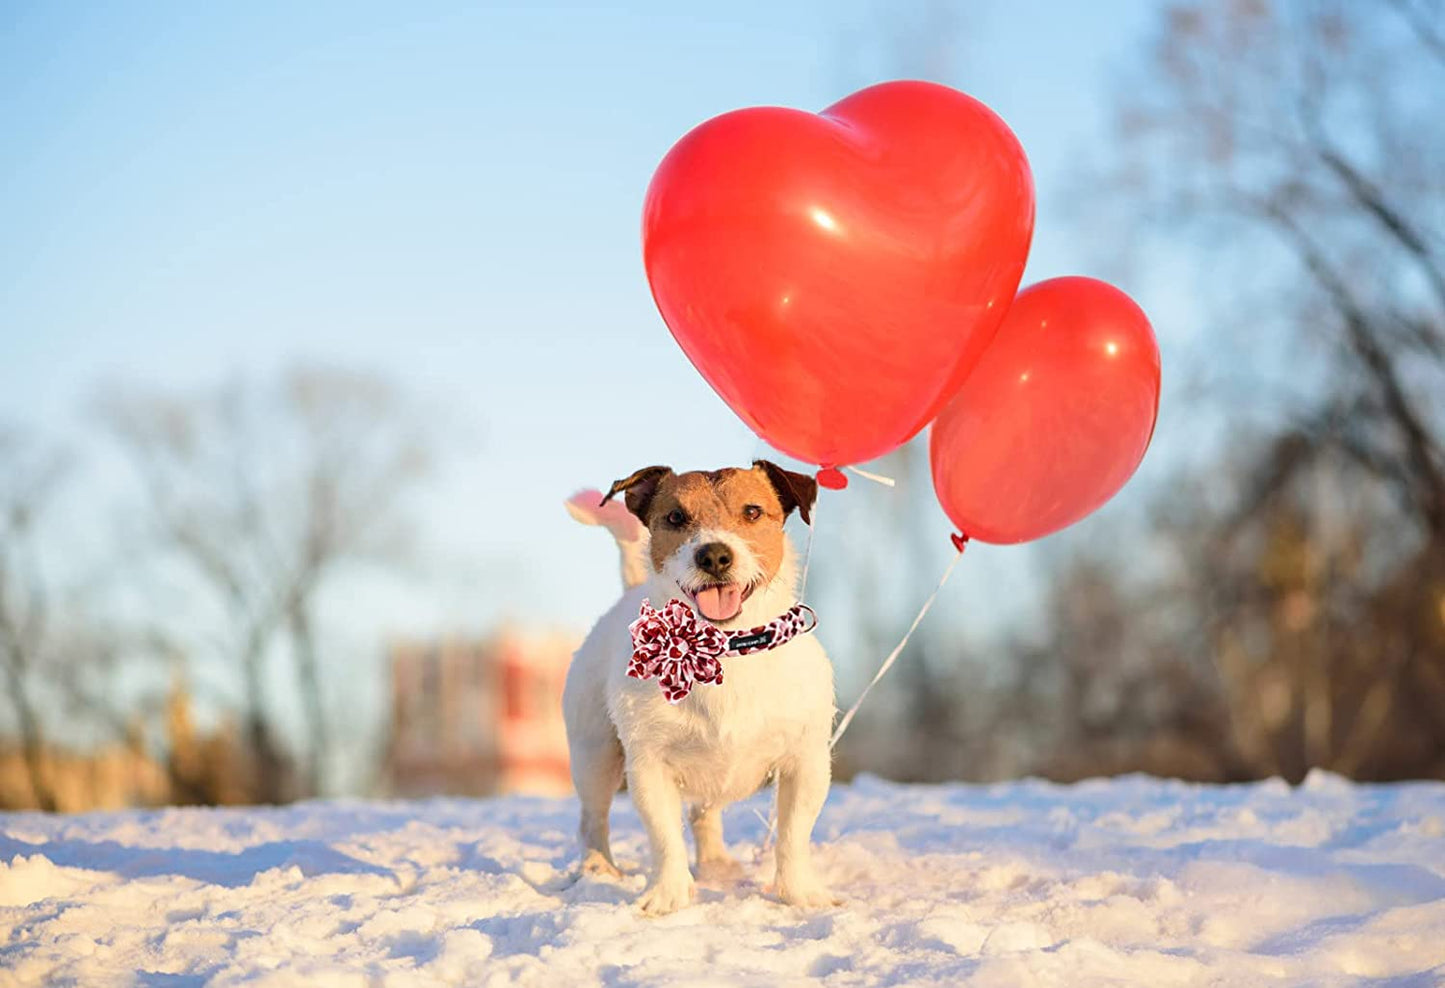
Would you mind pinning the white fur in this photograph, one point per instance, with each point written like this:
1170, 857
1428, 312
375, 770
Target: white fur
772, 713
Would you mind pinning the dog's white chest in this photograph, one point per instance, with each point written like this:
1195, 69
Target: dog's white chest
722, 741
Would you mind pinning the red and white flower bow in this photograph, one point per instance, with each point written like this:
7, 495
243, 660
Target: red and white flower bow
678, 648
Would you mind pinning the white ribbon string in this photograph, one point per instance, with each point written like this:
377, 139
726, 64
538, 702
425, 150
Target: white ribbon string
772, 818
808, 553
877, 478
893, 655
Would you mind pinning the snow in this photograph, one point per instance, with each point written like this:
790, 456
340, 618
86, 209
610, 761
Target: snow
1124, 881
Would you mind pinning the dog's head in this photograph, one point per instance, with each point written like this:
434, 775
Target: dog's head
718, 534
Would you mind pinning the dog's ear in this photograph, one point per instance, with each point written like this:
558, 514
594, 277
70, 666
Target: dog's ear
639, 487
795, 490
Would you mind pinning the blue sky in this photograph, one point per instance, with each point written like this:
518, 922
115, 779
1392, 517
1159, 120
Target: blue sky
451, 193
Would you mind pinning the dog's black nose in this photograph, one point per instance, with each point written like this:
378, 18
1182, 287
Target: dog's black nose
714, 559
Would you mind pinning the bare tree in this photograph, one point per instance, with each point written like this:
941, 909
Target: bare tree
29, 479
1292, 616
263, 497
1285, 606
1304, 135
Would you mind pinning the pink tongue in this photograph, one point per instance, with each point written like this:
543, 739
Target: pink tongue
720, 603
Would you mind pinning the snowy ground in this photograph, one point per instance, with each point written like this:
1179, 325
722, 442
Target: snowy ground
1131, 881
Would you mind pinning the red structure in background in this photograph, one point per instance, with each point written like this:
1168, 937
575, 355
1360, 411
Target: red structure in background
479, 717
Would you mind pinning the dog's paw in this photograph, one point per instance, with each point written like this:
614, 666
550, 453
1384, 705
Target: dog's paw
667, 895
809, 894
722, 869
596, 865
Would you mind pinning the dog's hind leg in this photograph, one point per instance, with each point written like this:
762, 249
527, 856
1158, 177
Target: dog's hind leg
713, 860
597, 773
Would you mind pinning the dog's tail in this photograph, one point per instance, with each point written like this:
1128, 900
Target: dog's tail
631, 535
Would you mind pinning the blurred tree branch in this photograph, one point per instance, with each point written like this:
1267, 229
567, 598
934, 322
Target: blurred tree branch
29, 479
266, 496
1299, 127
1290, 609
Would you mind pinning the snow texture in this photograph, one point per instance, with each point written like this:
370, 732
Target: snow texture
1127, 881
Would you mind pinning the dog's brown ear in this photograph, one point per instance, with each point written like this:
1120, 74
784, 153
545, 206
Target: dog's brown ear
795, 490
639, 487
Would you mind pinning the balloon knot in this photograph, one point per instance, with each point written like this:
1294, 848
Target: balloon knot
960, 541
832, 478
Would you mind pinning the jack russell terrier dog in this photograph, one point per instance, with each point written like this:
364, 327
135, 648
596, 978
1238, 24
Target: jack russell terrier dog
705, 552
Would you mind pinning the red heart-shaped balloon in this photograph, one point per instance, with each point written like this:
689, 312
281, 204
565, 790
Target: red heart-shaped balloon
835, 276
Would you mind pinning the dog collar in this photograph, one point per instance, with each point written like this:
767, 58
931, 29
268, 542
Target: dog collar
678, 648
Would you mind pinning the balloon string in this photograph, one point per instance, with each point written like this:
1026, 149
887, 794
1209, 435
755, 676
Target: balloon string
893, 655
808, 555
877, 478
772, 818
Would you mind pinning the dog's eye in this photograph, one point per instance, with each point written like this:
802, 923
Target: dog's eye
752, 512
676, 518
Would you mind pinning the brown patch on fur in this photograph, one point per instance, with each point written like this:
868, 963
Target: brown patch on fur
718, 499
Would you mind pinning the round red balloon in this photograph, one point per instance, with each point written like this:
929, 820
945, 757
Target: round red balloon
835, 276
1055, 417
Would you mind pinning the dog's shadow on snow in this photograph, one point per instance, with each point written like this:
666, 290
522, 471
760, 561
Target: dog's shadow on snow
230, 869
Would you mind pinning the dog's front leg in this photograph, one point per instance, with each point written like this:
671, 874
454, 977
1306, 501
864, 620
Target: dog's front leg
655, 793
802, 788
